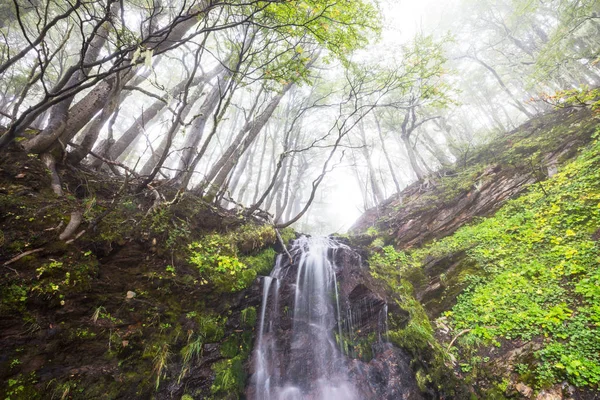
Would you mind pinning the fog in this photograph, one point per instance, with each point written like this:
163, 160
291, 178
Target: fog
312, 113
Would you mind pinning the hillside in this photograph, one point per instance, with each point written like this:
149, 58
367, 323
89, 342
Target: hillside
143, 298
497, 262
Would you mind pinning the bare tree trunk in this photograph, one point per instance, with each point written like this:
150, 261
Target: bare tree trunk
148, 115
174, 126
412, 157
377, 193
197, 129
273, 165
296, 194
59, 112
249, 172
363, 186
282, 204
515, 101
223, 167
446, 130
260, 169
77, 116
387, 155
435, 149
155, 156
238, 171
92, 130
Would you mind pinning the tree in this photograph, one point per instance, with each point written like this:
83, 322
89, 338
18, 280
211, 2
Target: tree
420, 91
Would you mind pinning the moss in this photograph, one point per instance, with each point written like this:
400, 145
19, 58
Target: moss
21, 387
417, 334
249, 317
220, 259
251, 237
529, 273
357, 346
287, 235
230, 378
423, 380
211, 327
13, 298
262, 262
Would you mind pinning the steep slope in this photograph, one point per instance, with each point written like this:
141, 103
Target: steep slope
509, 300
142, 299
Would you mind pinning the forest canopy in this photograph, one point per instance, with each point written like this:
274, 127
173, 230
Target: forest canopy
274, 105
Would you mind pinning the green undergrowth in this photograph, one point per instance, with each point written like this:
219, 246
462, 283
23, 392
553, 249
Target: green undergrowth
534, 278
539, 274
220, 258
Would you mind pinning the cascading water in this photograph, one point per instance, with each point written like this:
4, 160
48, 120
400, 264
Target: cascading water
312, 365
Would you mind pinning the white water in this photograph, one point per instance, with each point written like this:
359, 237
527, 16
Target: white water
314, 367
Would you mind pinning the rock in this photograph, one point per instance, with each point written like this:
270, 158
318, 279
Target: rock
554, 393
130, 294
524, 389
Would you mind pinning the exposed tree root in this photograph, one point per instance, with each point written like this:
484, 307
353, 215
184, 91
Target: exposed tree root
48, 160
284, 245
76, 217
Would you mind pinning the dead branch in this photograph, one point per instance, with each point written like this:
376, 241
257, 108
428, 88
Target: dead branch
17, 258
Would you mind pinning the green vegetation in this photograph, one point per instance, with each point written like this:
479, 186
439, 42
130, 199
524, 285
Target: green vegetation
153, 338
230, 374
533, 275
262, 262
579, 97
248, 316
230, 377
220, 261
539, 274
414, 331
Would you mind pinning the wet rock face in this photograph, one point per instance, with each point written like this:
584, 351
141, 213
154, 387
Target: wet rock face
387, 376
301, 364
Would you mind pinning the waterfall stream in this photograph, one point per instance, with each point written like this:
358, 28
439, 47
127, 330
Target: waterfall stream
314, 365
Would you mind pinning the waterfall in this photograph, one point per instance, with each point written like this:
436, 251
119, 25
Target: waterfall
307, 363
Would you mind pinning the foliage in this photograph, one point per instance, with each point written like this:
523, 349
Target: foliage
219, 260
262, 262
161, 360
414, 332
248, 317
287, 235
339, 27
537, 274
230, 377
579, 97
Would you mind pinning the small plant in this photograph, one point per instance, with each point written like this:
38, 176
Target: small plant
161, 360
171, 270
193, 349
97, 312
217, 260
